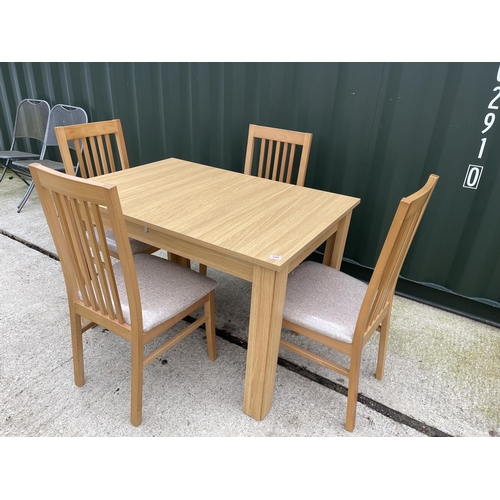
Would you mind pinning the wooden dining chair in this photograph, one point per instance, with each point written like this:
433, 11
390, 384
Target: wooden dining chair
279, 157
341, 312
138, 297
100, 149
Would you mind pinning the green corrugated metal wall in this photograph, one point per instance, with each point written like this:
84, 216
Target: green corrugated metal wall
379, 129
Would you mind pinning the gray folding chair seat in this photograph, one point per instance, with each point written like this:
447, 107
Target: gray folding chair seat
60, 115
31, 121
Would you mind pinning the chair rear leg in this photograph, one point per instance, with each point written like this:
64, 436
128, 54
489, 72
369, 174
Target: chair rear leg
26, 196
382, 348
209, 309
77, 346
3, 173
20, 176
136, 382
183, 261
203, 269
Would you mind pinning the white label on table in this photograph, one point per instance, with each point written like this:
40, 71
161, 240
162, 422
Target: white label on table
275, 257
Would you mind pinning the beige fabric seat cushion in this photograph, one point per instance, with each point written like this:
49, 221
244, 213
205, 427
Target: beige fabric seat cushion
165, 288
135, 245
324, 300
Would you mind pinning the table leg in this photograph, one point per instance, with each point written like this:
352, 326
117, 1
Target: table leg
179, 260
335, 245
266, 315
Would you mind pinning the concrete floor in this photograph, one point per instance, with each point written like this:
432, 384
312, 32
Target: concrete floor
441, 377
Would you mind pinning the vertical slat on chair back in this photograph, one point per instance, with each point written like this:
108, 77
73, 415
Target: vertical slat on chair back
100, 147
90, 254
72, 210
97, 158
279, 158
385, 275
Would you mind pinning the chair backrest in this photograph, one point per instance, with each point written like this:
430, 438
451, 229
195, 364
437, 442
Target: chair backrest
32, 117
103, 147
277, 158
72, 207
383, 282
62, 115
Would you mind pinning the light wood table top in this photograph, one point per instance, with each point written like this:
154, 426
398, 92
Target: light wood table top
262, 221
253, 228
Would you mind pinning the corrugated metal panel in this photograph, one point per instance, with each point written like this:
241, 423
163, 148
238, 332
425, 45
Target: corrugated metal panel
379, 130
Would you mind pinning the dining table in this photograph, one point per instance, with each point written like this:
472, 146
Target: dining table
250, 227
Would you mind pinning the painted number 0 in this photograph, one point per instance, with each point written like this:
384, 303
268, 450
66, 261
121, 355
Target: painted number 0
473, 176
474, 173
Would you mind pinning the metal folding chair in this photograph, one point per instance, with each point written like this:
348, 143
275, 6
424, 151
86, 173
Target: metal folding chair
60, 115
31, 121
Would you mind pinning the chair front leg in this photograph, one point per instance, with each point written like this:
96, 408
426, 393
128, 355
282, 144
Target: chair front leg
352, 391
